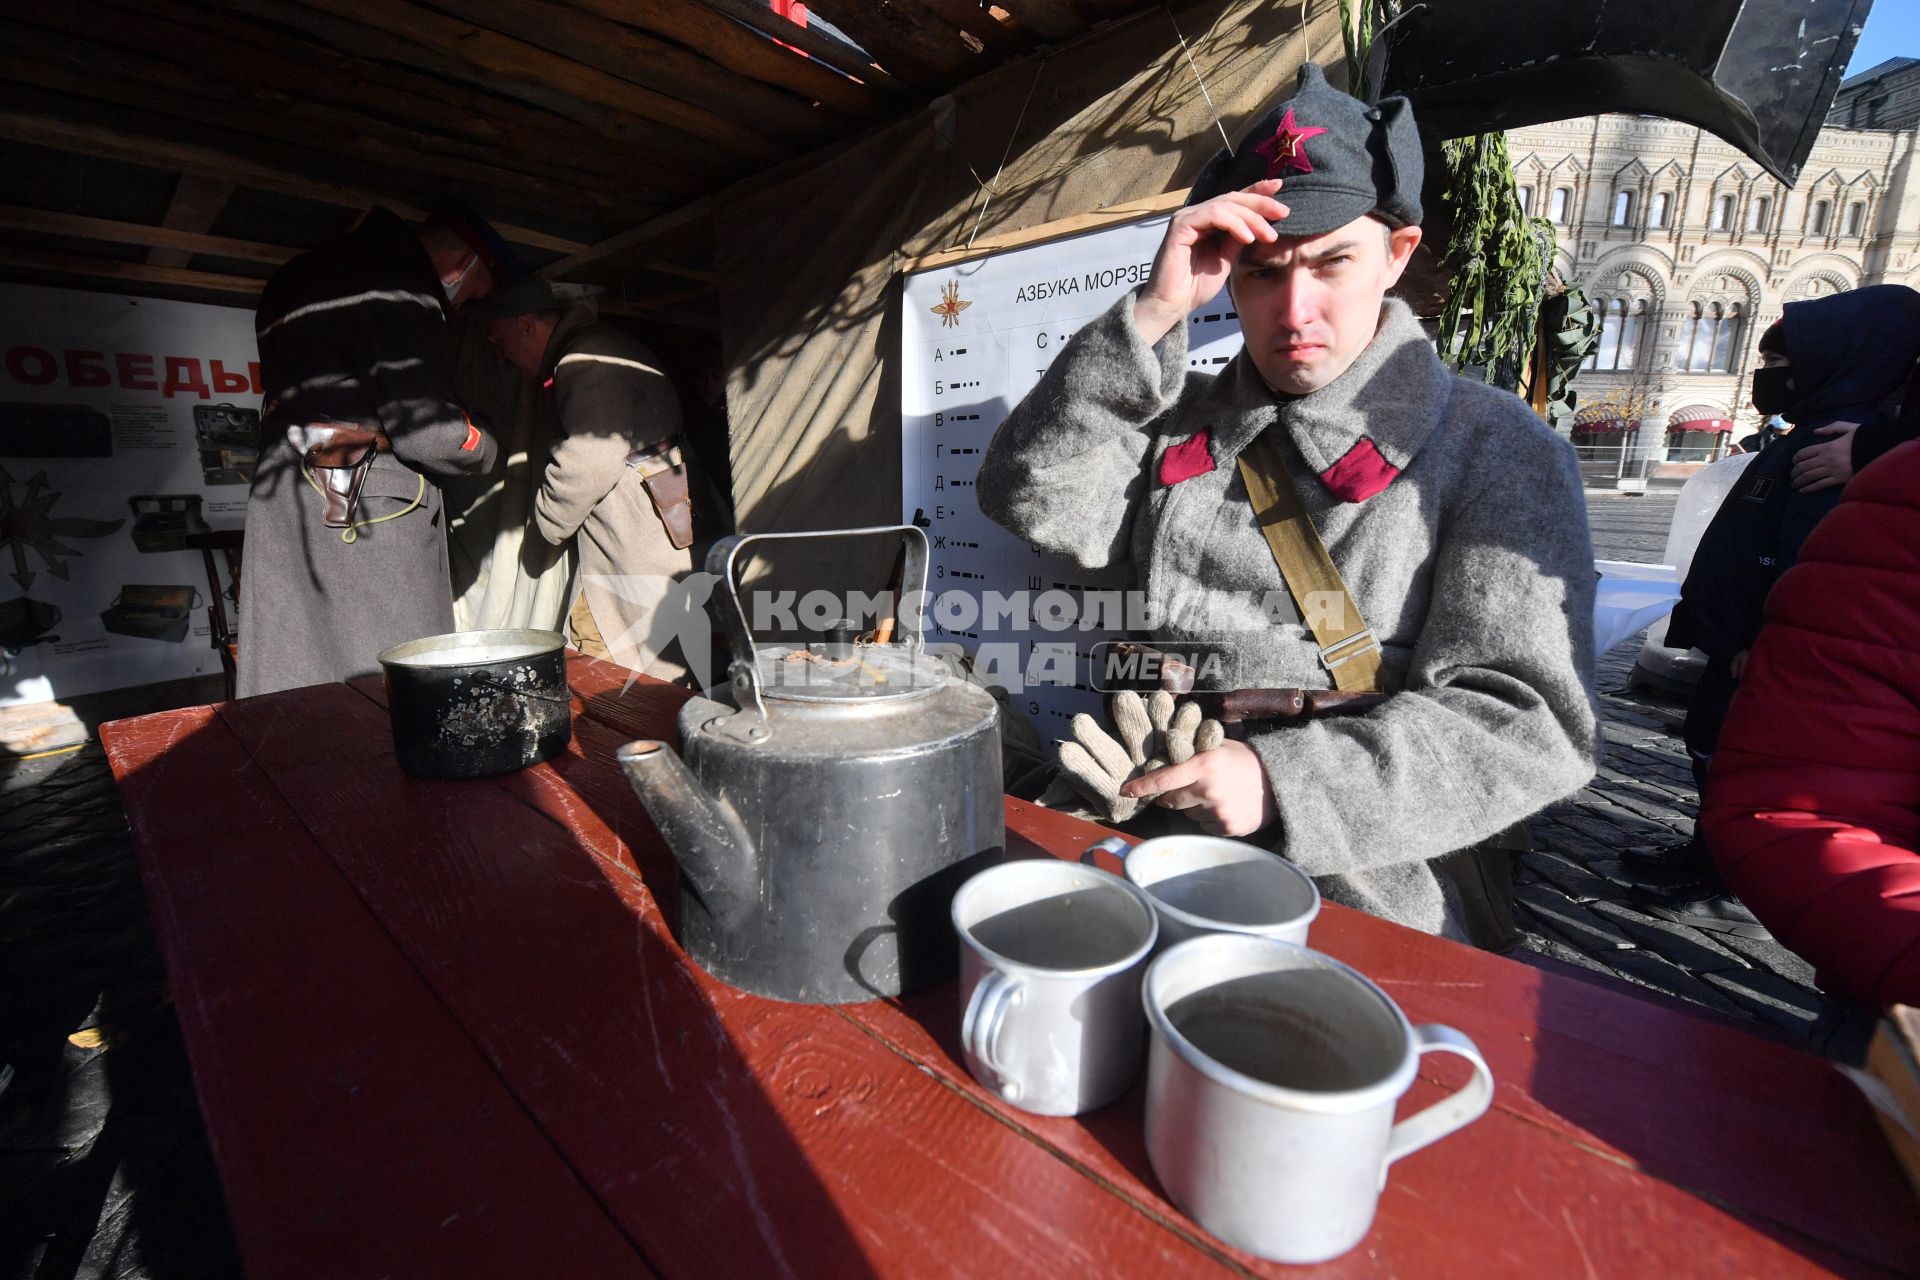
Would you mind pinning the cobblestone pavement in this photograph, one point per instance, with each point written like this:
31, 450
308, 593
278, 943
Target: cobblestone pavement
1644, 794
104, 1165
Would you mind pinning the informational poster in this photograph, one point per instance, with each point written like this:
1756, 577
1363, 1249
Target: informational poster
977, 336
126, 425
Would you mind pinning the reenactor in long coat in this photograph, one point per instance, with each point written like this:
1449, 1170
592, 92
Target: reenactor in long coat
617, 477
346, 548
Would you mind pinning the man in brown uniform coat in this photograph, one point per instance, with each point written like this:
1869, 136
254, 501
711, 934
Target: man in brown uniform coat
617, 476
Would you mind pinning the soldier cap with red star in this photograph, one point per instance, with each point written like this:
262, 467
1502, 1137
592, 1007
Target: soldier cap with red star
1338, 158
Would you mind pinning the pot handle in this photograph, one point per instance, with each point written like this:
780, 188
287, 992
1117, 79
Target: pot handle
1455, 1111
984, 1020
723, 562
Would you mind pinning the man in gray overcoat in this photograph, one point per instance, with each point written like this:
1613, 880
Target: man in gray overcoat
346, 547
1453, 514
616, 478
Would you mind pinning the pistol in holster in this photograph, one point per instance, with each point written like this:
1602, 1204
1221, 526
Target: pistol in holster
663, 470
339, 455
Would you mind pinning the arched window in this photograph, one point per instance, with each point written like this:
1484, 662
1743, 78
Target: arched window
1622, 208
1658, 215
1710, 337
1526, 201
1621, 321
1722, 213
1856, 217
1562, 197
1757, 213
1817, 217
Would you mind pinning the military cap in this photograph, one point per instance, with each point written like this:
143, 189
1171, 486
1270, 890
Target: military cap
1338, 159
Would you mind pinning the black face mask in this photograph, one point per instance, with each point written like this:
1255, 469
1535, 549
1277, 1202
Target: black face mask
1771, 394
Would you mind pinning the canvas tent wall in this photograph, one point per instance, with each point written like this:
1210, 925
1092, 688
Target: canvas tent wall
808, 267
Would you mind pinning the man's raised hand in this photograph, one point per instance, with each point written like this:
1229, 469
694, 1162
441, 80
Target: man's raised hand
1197, 255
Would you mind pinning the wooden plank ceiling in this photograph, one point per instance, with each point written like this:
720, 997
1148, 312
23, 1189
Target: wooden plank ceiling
184, 148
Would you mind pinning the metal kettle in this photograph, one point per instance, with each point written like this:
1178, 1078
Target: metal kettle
826, 803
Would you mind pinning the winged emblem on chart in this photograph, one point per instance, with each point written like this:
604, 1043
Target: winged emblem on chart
30, 525
951, 305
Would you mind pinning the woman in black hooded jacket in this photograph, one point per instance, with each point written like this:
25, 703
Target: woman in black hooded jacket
1839, 359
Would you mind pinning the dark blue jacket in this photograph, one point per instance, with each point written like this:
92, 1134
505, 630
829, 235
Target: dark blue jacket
1849, 354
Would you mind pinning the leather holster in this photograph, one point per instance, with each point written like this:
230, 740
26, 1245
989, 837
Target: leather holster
339, 454
663, 470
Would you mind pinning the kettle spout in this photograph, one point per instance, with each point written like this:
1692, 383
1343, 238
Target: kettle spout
716, 858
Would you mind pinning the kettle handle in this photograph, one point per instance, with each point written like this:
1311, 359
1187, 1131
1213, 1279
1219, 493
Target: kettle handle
723, 561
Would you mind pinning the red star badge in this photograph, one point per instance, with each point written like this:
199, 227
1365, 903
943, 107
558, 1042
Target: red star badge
1286, 149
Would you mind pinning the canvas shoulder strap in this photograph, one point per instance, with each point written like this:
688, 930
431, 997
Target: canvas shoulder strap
1348, 649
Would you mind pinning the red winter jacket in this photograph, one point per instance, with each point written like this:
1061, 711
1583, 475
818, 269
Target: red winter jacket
1813, 800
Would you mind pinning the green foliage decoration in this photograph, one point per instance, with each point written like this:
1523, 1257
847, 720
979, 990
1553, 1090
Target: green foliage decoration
1497, 262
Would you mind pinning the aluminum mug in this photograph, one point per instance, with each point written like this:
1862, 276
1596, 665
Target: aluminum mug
1271, 1082
1051, 959
1209, 884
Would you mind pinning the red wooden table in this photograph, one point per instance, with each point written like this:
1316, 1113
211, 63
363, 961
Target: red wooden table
443, 1029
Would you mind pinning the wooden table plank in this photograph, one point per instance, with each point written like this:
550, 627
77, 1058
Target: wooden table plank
1680, 1094
1672, 1114
1506, 1195
1628, 1137
728, 1134
356, 1129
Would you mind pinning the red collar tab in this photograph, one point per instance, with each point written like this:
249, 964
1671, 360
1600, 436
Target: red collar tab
1361, 472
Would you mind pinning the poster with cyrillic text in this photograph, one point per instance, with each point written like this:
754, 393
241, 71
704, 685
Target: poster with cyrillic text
976, 337
126, 426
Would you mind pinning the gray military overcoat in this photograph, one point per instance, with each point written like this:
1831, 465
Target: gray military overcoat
1472, 564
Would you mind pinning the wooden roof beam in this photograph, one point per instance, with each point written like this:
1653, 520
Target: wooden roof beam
194, 208
730, 44
685, 273
978, 21
162, 239
1051, 20
430, 97
86, 48
209, 162
646, 233
807, 40
499, 55
640, 58
904, 36
71, 264
266, 123
684, 319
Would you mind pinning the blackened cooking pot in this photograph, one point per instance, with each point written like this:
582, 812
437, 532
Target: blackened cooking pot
477, 703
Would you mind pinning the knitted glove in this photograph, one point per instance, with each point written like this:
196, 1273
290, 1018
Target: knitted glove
1153, 732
